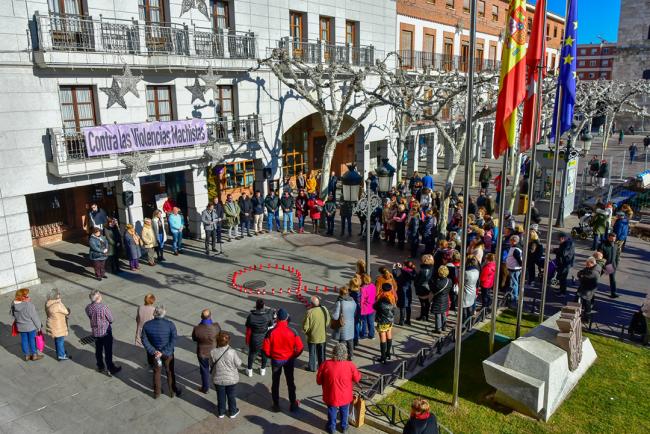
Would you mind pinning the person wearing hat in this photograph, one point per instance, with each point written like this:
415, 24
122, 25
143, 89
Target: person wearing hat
564, 258
283, 346
385, 317
27, 323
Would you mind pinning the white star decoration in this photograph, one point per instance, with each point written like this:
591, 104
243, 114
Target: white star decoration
194, 4
197, 90
136, 163
210, 80
128, 81
115, 94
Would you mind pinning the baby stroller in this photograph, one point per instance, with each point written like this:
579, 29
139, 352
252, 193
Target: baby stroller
552, 272
584, 229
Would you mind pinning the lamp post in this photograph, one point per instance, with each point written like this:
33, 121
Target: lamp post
370, 201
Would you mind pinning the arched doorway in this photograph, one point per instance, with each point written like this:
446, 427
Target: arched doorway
304, 143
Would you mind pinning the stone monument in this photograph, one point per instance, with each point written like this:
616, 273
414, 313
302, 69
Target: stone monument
535, 373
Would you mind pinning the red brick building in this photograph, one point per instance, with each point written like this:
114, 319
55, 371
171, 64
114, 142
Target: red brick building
596, 61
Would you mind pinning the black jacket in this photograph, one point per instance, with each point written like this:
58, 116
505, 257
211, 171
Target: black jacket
421, 426
330, 208
404, 287
440, 288
346, 209
588, 281
413, 230
258, 205
565, 254
610, 253
535, 253
385, 313
272, 203
245, 209
258, 322
218, 208
287, 204
421, 281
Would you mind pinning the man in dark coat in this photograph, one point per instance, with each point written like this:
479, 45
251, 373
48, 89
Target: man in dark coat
330, 213
245, 214
272, 205
564, 258
159, 339
346, 217
218, 211
588, 284
331, 185
611, 255
258, 323
485, 177
205, 336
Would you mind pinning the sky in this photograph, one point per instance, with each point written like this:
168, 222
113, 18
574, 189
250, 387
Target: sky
595, 18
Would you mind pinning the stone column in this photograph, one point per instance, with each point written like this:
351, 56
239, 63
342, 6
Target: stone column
196, 186
413, 143
17, 260
134, 213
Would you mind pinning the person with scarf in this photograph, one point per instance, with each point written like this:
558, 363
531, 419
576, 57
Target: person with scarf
132, 242
422, 421
385, 316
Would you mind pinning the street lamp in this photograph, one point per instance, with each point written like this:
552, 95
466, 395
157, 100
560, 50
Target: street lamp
351, 181
385, 176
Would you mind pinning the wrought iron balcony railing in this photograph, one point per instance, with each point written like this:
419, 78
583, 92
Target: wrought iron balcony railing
321, 52
86, 34
418, 60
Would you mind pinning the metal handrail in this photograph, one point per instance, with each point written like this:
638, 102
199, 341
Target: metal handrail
310, 51
414, 60
62, 32
70, 146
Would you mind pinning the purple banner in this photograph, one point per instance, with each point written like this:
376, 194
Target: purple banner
125, 138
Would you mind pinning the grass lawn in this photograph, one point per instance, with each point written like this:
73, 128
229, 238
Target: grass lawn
612, 397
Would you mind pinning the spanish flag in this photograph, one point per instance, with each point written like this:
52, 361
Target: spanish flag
512, 84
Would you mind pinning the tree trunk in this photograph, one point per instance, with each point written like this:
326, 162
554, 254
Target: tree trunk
326, 168
399, 158
444, 212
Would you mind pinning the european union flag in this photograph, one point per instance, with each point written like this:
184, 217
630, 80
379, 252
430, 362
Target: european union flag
567, 78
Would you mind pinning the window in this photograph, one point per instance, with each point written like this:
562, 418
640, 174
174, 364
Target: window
220, 12
479, 57
492, 54
583, 51
592, 75
581, 63
594, 51
466, 6
603, 75
293, 159
552, 65
77, 108
605, 62
151, 11
296, 29
605, 50
448, 54
69, 7
325, 30
224, 101
548, 29
351, 33
530, 26
581, 75
555, 31
481, 8
592, 63
450, 4
406, 48
159, 103
646, 74
495, 13
237, 175
464, 56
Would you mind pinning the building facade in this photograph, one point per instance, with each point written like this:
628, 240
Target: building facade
633, 53
205, 122
596, 61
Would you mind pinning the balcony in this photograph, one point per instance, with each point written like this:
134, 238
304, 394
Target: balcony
74, 40
319, 52
235, 136
420, 60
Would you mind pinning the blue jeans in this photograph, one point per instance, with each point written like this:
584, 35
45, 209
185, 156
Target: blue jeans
287, 217
229, 394
204, 369
301, 221
59, 344
271, 218
598, 240
177, 240
345, 219
245, 224
514, 283
316, 355
367, 326
332, 412
28, 342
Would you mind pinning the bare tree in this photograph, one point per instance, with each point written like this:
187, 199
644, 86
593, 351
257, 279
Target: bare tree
335, 91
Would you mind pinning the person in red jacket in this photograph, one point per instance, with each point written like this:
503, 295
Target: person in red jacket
283, 346
338, 376
486, 280
315, 205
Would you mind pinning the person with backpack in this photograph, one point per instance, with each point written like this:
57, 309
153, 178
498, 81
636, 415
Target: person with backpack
422, 289
283, 346
315, 323
224, 366
258, 323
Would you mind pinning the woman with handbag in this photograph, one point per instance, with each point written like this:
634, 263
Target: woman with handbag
385, 316
343, 322
57, 322
224, 367
26, 323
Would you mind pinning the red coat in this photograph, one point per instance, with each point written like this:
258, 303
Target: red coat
282, 343
487, 274
337, 379
315, 208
